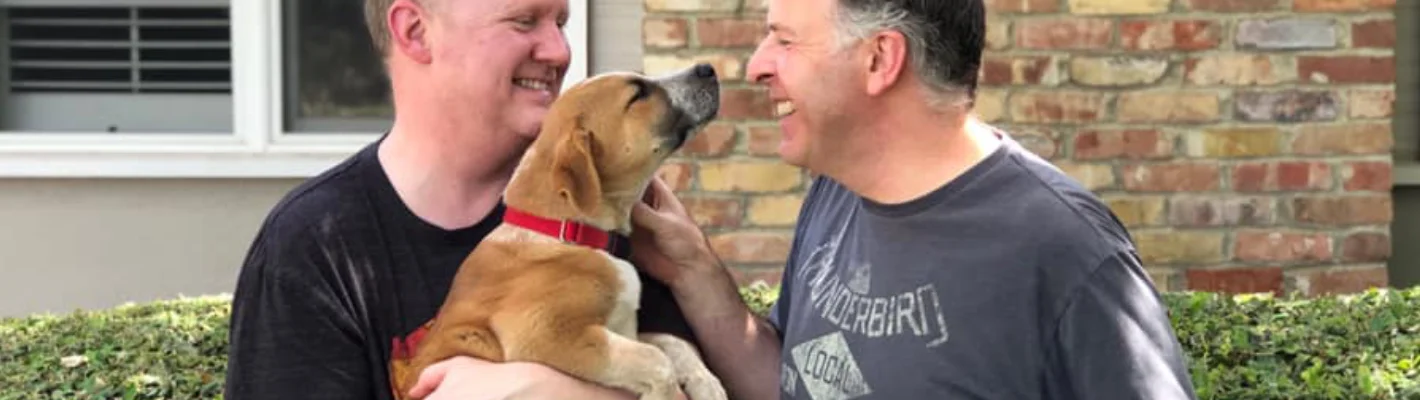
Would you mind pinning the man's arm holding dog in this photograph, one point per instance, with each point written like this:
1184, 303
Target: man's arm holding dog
465, 377
739, 346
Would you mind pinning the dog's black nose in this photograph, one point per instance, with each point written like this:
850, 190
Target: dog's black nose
704, 71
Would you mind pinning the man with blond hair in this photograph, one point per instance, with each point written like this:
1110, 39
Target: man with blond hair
352, 262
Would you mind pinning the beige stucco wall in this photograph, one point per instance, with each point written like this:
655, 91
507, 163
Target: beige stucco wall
90, 243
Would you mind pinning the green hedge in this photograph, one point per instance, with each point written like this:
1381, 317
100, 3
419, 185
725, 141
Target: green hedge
1361, 346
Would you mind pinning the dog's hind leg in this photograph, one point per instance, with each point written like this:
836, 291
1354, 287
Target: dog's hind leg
456, 340
690, 371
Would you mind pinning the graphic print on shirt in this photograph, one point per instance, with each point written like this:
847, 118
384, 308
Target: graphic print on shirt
845, 301
828, 369
838, 281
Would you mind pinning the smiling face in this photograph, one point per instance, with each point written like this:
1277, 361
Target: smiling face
502, 57
813, 81
605, 138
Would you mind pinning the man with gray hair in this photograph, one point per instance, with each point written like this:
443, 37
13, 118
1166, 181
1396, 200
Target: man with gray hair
934, 257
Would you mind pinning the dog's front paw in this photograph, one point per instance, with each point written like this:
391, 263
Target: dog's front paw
660, 392
704, 386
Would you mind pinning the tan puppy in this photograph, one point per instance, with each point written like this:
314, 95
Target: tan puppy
525, 295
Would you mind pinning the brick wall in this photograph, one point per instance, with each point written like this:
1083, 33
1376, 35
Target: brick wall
1246, 143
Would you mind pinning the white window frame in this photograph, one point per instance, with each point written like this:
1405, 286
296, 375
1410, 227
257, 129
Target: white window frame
258, 145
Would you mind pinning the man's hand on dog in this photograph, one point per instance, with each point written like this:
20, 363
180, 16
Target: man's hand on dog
667, 243
467, 378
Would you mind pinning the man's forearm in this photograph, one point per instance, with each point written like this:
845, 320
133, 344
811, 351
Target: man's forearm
740, 347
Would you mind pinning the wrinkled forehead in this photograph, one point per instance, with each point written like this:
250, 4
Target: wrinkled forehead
801, 17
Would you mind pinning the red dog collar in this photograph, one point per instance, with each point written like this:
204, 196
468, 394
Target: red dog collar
571, 232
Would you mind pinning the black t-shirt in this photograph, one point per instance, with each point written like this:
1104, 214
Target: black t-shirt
338, 272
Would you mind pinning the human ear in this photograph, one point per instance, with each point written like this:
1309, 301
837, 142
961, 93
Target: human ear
408, 25
887, 53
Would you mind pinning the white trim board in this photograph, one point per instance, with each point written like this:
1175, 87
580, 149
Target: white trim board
257, 146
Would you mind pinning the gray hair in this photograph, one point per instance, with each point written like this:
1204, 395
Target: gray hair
859, 19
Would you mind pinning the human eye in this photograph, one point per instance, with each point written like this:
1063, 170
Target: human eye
525, 22
778, 38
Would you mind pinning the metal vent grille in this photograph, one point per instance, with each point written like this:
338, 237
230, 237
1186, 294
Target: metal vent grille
119, 49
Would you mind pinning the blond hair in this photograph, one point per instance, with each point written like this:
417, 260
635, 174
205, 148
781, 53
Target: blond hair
375, 11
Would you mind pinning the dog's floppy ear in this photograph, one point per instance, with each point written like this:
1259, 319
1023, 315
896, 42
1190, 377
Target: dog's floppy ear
576, 177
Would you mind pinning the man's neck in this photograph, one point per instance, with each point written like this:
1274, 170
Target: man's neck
913, 155
451, 178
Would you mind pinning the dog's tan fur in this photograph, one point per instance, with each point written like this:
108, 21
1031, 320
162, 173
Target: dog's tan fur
525, 296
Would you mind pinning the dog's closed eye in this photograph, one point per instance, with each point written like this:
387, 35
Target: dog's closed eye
643, 90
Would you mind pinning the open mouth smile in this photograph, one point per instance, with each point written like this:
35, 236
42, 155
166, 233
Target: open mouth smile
534, 84
783, 108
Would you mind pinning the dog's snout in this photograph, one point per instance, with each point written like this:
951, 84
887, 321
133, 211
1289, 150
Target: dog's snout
694, 94
703, 70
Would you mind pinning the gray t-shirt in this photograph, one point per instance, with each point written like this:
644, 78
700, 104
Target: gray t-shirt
1010, 282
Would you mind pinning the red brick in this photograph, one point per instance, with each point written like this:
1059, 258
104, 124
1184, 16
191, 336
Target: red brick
1343, 139
1232, 5
729, 32
1282, 175
1275, 246
665, 32
1344, 280
677, 175
1378, 33
1373, 176
1186, 35
1171, 177
744, 103
715, 140
1057, 106
1341, 5
1060, 34
751, 247
714, 212
1235, 280
763, 140
1198, 211
1343, 210
1365, 247
1022, 6
997, 70
1346, 69
1122, 143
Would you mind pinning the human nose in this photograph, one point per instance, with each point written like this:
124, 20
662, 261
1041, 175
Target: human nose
759, 68
553, 48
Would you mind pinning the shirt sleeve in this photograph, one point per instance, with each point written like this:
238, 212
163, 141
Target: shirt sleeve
780, 308
1115, 339
290, 336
